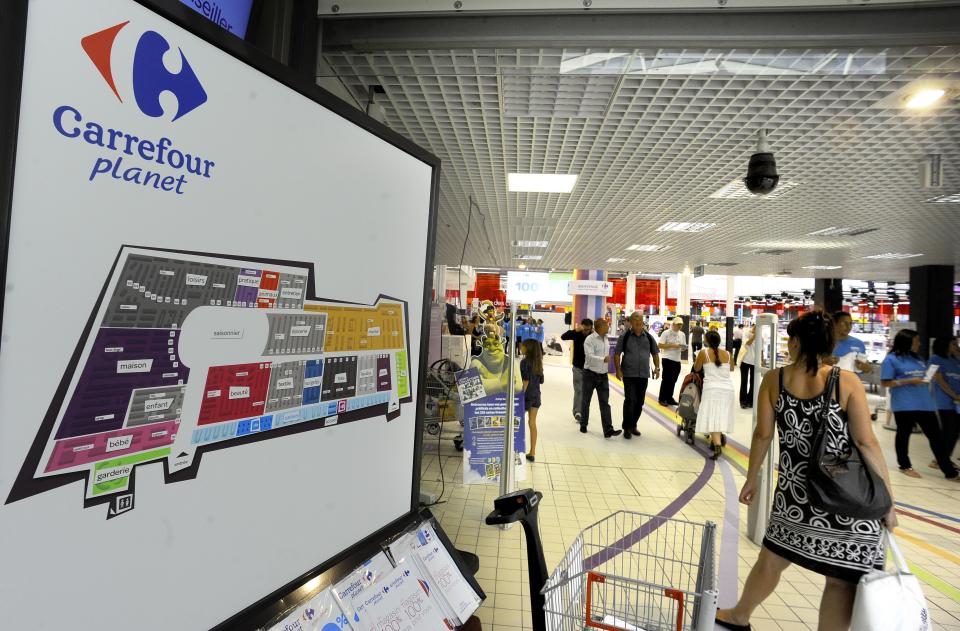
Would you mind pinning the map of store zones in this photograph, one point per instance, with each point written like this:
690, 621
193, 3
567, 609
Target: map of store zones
190, 352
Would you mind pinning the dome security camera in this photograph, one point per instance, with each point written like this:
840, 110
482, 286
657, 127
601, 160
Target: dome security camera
762, 175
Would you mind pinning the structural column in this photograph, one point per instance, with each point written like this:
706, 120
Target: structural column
592, 307
731, 297
683, 294
828, 294
931, 302
663, 294
631, 305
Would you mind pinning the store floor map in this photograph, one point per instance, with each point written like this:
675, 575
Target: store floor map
187, 353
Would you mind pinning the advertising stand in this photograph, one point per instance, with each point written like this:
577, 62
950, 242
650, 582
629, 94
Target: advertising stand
216, 291
765, 346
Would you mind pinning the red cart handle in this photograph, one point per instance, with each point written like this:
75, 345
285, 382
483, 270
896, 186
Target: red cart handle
593, 577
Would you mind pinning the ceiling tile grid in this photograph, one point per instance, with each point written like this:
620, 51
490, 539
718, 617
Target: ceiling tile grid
654, 133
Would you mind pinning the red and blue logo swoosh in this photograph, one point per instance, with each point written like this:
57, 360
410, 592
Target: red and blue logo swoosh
150, 77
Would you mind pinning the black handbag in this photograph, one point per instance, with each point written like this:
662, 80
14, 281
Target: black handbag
843, 484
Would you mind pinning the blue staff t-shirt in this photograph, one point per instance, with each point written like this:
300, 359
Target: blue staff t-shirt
907, 398
846, 351
950, 369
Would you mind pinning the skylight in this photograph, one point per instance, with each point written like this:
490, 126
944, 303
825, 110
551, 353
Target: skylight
892, 256
528, 257
541, 182
685, 226
737, 190
822, 266
648, 248
530, 244
614, 260
948, 199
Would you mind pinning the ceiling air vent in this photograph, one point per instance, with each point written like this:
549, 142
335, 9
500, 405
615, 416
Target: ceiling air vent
722, 264
834, 231
771, 252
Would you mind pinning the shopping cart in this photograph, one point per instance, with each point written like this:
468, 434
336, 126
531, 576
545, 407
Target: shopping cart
635, 572
442, 403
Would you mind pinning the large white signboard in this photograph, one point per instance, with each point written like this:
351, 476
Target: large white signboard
533, 287
210, 334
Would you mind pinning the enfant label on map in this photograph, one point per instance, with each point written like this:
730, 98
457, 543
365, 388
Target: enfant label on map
157, 405
196, 280
112, 473
300, 331
127, 366
116, 443
239, 392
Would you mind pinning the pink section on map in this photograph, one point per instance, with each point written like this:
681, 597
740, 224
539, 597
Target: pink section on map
72, 452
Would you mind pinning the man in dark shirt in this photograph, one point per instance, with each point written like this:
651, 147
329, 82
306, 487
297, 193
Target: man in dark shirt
696, 340
637, 347
577, 335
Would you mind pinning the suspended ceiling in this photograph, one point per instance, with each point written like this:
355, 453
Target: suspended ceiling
656, 133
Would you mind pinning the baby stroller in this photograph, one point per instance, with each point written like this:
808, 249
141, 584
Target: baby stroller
689, 405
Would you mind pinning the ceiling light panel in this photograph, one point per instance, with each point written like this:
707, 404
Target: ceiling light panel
834, 231
530, 244
738, 190
948, 199
892, 256
650, 147
685, 226
822, 267
528, 257
648, 248
540, 182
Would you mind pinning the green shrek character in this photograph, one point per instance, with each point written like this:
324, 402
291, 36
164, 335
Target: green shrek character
493, 363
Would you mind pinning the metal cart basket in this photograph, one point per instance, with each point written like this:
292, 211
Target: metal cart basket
635, 572
442, 404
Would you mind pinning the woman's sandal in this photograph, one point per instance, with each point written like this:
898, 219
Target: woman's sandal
732, 626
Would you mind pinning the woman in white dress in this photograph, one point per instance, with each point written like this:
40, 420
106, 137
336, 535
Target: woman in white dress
716, 403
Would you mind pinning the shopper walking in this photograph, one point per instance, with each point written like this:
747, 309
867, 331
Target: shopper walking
849, 353
631, 358
577, 336
531, 372
715, 415
696, 338
596, 351
840, 548
737, 341
946, 390
746, 369
672, 344
903, 372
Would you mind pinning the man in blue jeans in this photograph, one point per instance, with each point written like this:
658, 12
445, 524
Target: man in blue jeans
596, 353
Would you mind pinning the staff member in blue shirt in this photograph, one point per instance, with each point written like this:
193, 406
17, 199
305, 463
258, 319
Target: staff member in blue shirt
946, 389
903, 372
849, 352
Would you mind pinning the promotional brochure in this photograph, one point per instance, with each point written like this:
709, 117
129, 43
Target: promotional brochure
484, 419
320, 613
400, 601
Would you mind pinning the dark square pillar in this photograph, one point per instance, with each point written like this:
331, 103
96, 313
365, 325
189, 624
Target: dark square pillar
931, 302
828, 294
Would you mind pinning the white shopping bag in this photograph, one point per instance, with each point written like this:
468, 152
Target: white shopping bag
891, 601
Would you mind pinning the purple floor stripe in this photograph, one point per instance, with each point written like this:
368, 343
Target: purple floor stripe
666, 513
729, 540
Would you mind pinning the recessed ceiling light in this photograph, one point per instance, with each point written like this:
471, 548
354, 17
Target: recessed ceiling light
892, 255
737, 190
834, 231
530, 244
822, 266
924, 98
949, 199
528, 257
540, 182
522, 266
616, 260
685, 226
648, 248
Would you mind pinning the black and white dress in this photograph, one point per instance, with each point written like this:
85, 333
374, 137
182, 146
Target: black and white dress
828, 544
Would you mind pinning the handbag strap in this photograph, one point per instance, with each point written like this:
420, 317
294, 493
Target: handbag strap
825, 405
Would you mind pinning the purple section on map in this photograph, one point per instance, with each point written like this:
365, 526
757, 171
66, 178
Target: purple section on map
247, 294
383, 378
120, 361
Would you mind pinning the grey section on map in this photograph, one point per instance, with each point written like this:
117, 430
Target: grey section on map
366, 375
292, 291
155, 405
286, 386
295, 333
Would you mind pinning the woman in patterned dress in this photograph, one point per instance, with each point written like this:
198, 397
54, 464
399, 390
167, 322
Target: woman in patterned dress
842, 549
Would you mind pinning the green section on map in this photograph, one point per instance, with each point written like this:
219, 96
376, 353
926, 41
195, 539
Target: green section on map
120, 484
403, 375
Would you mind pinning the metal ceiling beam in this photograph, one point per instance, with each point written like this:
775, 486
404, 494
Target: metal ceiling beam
859, 27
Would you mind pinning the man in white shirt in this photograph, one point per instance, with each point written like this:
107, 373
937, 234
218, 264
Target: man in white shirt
737, 342
672, 343
596, 358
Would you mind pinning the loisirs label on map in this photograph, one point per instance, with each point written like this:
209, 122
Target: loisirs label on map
156, 379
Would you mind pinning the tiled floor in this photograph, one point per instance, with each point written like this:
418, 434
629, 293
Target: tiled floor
585, 478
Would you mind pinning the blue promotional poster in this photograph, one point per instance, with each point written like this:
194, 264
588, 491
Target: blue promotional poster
484, 418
